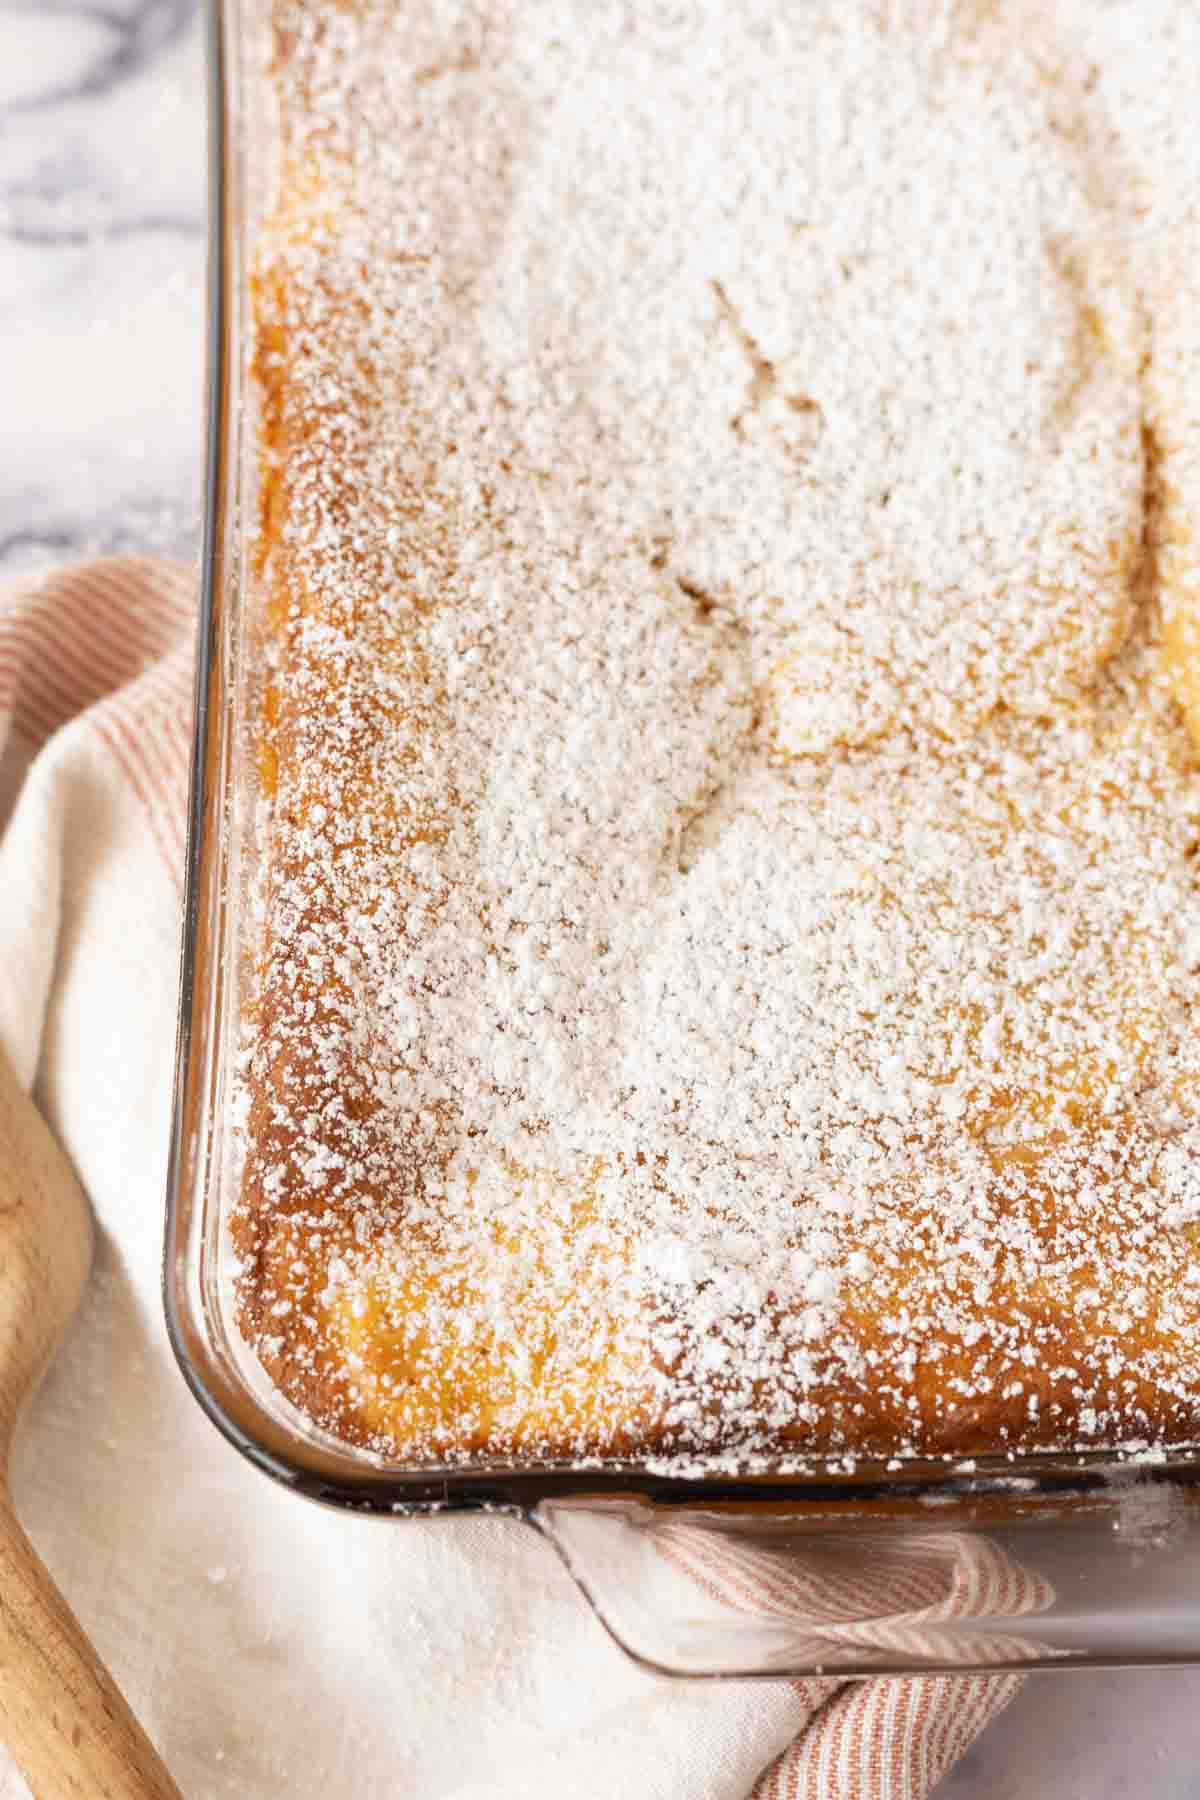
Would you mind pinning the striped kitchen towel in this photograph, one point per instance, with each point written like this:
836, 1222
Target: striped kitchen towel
270, 1647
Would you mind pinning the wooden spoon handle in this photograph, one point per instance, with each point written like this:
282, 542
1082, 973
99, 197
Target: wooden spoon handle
61, 1714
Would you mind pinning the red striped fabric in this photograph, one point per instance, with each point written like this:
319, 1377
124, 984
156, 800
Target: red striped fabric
110, 646
903, 1603
889, 1736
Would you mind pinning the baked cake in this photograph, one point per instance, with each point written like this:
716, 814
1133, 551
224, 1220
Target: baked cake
726, 922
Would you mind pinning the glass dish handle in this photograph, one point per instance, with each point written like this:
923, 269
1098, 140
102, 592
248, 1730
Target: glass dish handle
770, 1589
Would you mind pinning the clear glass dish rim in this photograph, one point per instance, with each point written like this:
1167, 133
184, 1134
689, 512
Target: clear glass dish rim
1043, 1480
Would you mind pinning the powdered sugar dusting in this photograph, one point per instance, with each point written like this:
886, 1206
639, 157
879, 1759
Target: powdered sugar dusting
730, 921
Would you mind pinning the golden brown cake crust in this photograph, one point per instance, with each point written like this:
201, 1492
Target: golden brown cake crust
726, 921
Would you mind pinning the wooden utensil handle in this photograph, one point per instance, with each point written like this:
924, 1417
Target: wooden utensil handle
61, 1713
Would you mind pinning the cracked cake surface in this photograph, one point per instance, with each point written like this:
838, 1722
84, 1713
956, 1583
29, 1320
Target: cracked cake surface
726, 927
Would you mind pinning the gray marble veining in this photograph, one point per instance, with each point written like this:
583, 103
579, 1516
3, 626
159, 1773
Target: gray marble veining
101, 327
101, 266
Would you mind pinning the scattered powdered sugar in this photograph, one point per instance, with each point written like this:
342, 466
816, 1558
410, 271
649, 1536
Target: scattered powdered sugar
730, 922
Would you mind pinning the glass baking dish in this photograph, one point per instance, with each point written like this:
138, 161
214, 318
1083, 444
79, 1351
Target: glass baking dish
1055, 1560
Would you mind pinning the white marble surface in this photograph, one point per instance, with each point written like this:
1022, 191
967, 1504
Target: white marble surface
101, 274
101, 302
